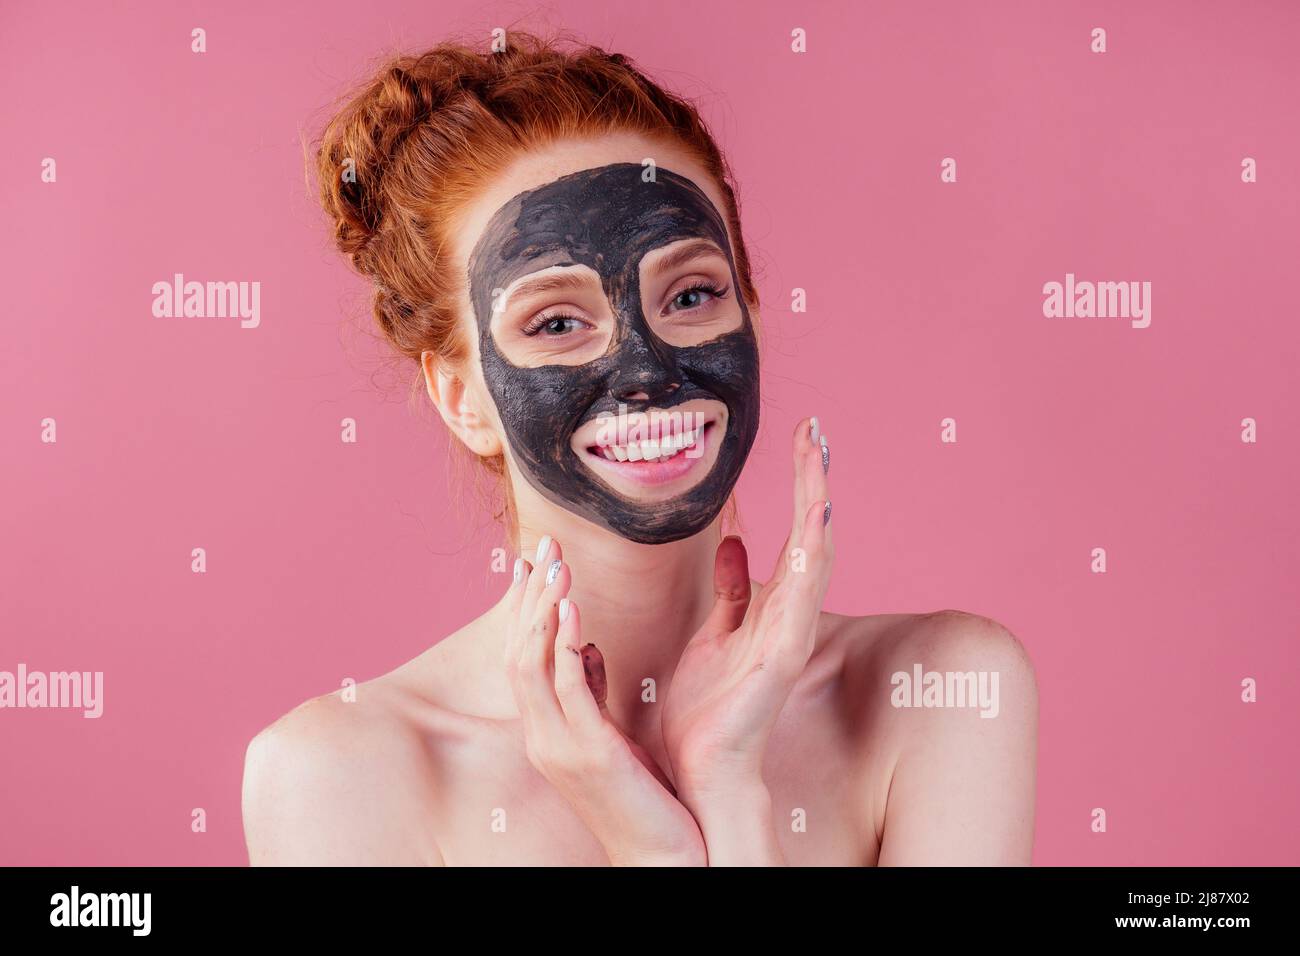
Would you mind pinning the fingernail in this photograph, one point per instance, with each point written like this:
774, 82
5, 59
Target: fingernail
826, 515
519, 569
542, 547
813, 429
826, 456
564, 608
553, 571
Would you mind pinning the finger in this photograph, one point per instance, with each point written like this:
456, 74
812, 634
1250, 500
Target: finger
536, 579
593, 666
731, 587
514, 602
812, 475
809, 485
588, 699
537, 651
807, 587
571, 689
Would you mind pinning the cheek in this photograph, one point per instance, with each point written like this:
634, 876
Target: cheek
542, 407
729, 365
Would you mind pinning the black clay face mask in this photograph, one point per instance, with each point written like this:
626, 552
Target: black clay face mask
608, 219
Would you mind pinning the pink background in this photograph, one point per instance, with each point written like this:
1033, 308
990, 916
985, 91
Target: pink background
328, 560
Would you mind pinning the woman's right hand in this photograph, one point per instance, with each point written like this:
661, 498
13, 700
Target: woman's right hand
613, 785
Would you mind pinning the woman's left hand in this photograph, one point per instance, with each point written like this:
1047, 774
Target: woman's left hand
738, 670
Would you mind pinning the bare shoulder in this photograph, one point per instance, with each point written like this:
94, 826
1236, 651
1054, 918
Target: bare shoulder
352, 777
340, 780
947, 703
875, 650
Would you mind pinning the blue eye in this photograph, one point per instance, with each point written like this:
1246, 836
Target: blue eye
695, 297
553, 324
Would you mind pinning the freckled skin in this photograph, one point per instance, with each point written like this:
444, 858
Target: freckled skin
608, 218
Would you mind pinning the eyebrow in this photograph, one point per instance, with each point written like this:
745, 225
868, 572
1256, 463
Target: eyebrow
695, 249
571, 280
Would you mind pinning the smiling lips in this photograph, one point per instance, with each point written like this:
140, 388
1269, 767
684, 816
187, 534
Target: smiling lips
653, 461
666, 446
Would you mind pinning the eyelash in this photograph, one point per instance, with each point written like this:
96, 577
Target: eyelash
540, 322
709, 287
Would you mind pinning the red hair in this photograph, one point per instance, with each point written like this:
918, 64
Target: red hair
414, 144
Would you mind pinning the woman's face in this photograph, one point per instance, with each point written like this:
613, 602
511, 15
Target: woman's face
611, 335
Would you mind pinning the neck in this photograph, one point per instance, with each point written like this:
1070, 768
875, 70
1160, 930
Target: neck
640, 605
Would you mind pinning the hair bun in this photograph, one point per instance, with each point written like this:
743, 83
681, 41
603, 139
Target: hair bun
413, 147
362, 140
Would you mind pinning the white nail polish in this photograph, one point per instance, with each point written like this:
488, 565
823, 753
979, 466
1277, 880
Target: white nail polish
553, 572
542, 547
519, 569
815, 433
564, 608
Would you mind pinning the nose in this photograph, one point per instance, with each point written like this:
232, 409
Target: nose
630, 392
647, 370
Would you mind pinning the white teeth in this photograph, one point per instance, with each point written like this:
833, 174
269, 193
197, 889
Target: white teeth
665, 447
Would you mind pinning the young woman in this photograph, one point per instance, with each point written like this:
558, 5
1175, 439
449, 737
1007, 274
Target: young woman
556, 242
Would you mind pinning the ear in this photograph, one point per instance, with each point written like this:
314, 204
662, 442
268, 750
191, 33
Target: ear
454, 399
